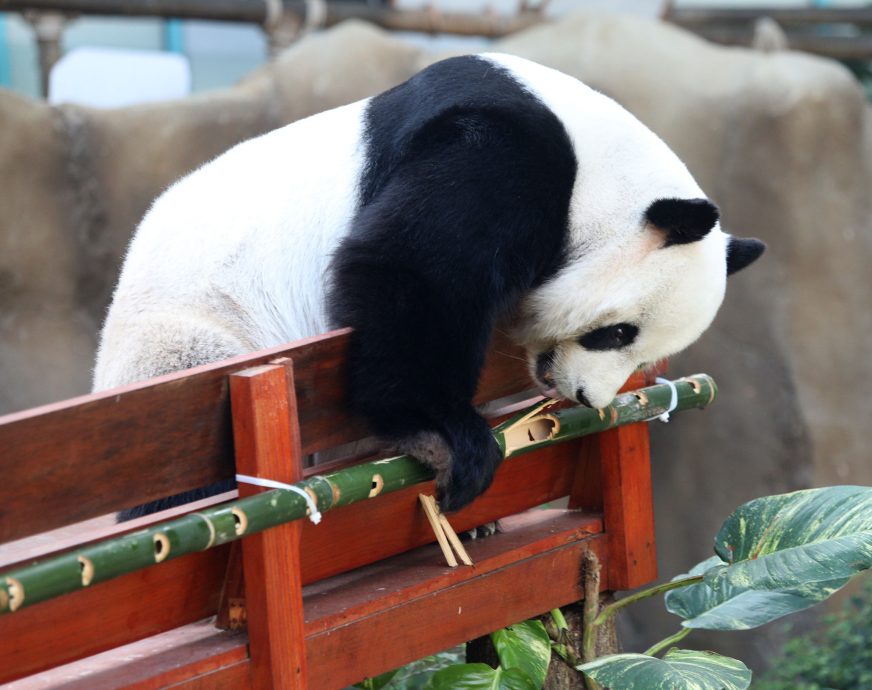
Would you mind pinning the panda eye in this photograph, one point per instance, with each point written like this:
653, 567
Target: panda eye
609, 337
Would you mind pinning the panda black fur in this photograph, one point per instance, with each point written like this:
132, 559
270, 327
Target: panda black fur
482, 187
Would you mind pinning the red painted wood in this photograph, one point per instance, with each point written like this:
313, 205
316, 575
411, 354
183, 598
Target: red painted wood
376, 618
266, 435
189, 441
112, 613
171, 433
369, 531
613, 476
628, 507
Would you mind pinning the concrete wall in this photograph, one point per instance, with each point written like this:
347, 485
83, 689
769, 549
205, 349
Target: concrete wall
783, 143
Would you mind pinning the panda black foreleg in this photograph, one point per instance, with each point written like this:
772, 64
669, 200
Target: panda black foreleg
414, 359
464, 455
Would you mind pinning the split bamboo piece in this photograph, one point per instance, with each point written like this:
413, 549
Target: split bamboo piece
532, 429
445, 535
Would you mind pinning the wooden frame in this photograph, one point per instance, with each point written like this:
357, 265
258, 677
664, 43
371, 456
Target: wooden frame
325, 605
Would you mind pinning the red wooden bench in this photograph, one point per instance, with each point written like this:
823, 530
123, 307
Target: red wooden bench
361, 593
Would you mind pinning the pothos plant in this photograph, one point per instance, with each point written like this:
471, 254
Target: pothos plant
773, 556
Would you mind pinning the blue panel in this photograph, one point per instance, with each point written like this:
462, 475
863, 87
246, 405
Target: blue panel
5, 54
174, 36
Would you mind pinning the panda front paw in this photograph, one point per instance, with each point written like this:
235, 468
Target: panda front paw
465, 457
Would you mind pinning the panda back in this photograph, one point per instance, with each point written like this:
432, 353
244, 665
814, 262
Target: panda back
254, 227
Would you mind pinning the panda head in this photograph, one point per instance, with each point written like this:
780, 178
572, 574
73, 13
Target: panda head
631, 303
645, 265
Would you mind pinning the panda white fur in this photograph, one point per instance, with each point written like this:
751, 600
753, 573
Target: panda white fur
483, 186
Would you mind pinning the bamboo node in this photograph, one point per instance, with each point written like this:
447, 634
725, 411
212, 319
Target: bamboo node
4, 600
16, 593
378, 483
240, 521
335, 492
87, 568
641, 397
211, 530
161, 547
314, 498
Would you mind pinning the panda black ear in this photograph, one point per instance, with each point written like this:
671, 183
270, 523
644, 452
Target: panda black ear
742, 252
683, 220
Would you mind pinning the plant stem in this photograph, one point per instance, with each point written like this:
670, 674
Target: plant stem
591, 580
612, 609
559, 619
663, 644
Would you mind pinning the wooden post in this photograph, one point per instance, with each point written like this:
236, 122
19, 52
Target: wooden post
266, 436
614, 476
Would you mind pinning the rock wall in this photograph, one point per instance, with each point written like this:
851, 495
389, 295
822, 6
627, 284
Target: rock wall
782, 142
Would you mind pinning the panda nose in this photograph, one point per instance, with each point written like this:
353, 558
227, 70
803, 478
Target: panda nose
581, 397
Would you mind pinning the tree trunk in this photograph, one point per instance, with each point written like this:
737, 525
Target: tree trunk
561, 676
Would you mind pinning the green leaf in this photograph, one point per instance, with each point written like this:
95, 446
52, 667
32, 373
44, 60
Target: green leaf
778, 555
525, 646
378, 682
679, 670
480, 677
728, 608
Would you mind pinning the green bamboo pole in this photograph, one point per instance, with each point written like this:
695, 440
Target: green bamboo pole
534, 428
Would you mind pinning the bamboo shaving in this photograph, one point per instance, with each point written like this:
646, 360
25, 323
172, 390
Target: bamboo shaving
528, 432
454, 539
431, 511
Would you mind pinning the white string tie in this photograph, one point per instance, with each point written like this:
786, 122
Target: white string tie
314, 515
673, 402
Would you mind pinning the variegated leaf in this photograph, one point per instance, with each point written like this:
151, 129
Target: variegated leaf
679, 669
783, 554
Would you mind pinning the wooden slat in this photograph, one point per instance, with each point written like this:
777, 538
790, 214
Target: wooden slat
267, 438
194, 650
531, 567
95, 454
113, 613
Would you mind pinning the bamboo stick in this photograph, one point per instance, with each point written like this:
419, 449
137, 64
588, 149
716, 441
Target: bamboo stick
527, 431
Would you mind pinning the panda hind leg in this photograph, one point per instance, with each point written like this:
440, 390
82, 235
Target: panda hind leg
152, 347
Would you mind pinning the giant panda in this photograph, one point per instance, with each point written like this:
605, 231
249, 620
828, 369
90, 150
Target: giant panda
484, 187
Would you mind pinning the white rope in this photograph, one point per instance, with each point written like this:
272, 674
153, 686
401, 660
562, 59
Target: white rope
314, 515
673, 403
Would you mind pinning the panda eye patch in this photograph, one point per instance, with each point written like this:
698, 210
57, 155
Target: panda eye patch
609, 337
